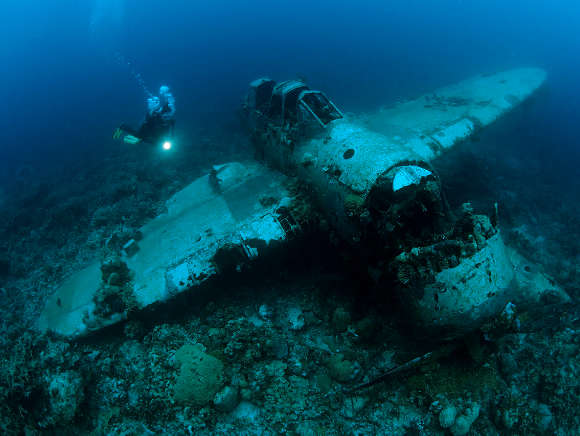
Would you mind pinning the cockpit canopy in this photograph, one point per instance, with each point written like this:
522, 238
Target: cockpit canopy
291, 101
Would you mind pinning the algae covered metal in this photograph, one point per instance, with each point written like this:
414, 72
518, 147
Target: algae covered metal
361, 164
370, 177
374, 181
233, 217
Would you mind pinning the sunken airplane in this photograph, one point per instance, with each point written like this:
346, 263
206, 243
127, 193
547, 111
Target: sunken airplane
366, 180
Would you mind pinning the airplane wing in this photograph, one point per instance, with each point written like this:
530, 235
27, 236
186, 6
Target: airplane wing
222, 222
450, 114
392, 148
360, 150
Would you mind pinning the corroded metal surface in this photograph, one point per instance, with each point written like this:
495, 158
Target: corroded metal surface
219, 223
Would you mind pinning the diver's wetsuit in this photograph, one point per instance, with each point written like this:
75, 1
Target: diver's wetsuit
159, 121
153, 130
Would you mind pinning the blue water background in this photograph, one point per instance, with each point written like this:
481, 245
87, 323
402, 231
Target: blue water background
68, 68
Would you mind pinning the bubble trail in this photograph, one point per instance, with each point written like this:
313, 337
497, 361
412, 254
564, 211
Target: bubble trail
136, 75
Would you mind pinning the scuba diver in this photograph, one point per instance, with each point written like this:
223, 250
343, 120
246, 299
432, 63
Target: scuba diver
157, 128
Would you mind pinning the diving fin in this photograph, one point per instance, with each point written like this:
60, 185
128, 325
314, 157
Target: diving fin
130, 139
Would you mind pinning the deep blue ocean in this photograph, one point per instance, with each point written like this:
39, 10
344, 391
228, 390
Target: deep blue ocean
69, 68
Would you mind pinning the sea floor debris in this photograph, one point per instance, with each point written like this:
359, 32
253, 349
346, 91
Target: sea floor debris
291, 348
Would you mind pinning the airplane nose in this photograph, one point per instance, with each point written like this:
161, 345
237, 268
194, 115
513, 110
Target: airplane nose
407, 205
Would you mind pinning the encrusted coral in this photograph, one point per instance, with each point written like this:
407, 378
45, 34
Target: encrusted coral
447, 416
464, 421
341, 369
116, 293
66, 393
341, 319
227, 399
353, 205
200, 376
